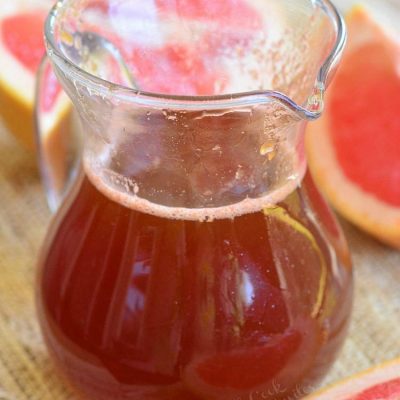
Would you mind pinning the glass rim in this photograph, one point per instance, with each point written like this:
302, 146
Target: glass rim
104, 87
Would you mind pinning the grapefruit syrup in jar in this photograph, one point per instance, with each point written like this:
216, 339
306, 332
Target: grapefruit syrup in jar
194, 259
141, 301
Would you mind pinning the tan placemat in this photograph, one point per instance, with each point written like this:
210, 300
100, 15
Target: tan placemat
25, 371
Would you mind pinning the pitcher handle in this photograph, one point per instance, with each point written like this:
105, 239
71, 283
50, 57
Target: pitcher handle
57, 135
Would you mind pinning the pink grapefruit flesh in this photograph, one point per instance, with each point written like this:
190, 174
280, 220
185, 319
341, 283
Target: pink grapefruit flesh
21, 51
53, 90
232, 13
23, 36
184, 66
364, 123
386, 390
379, 383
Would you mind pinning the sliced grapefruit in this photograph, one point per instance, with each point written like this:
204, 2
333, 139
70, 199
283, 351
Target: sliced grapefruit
182, 64
354, 148
21, 51
233, 14
379, 383
194, 50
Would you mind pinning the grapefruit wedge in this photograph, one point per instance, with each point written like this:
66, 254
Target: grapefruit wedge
379, 383
21, 51
354, 148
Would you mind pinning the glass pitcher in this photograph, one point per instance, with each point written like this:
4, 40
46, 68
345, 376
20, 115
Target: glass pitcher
193, 258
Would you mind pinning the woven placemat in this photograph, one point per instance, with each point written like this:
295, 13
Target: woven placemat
25, 370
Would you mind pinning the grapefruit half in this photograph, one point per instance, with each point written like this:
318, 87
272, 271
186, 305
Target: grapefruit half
379, 383
21, 51
354, 148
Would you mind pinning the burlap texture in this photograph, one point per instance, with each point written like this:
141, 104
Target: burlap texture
26, 372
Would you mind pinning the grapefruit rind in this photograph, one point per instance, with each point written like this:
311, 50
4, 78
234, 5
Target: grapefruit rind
362, 208
354, 385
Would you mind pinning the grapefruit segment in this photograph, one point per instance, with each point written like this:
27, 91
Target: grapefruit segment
354, 148
21, 50
226, 13
25, 43
53, 89
182, 65
365, 124
386, 390
193, 47
382, 382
